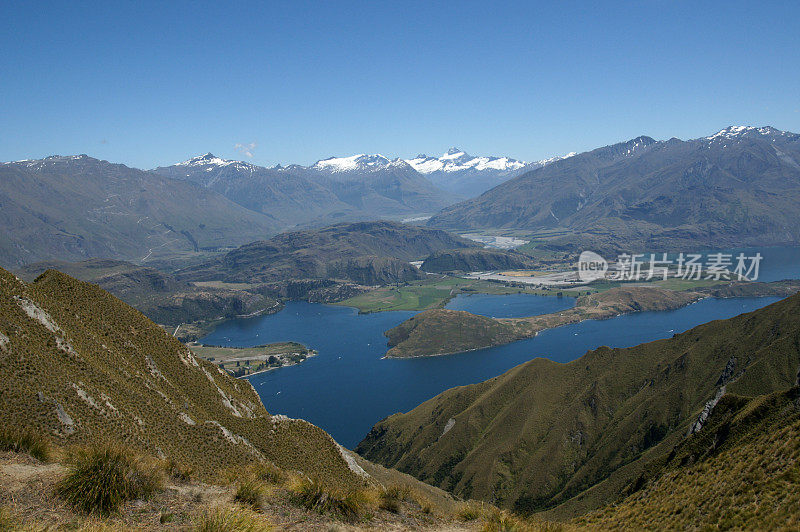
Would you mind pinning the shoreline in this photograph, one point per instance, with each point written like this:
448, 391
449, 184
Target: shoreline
418, 338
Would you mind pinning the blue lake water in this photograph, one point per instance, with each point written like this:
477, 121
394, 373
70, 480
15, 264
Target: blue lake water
348, 387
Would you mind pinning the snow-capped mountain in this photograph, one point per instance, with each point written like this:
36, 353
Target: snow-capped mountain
356, 163
335, 189
748, 132
466, 175
456, 160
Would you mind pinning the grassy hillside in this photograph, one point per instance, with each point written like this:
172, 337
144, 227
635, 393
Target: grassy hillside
740, 472
570, 437
77, 364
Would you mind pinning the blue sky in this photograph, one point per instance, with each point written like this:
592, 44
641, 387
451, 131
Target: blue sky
155, 83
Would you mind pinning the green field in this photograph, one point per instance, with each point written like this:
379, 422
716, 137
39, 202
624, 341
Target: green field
435, 293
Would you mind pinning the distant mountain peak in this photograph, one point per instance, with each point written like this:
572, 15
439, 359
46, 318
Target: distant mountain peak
360, 161
210, 160
733, 132
456, 160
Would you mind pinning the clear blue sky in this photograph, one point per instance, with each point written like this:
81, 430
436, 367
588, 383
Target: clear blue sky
155, 83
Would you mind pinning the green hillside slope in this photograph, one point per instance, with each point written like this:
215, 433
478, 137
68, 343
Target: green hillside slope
571, 436
742, 471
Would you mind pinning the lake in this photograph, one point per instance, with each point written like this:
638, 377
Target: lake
348, 387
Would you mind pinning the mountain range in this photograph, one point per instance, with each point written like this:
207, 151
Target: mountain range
78, 207
465, 175
738, 187
353, 188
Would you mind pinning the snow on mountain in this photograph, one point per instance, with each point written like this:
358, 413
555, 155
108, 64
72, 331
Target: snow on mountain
456, 160
734, 132
211, 161
357, 163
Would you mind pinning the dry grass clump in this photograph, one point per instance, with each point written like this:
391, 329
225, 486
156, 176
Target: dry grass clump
25, 440
391, 498
352, 505
178, 471
103, 477
470, 511
251, 493
225, 519
7, 520
265, 472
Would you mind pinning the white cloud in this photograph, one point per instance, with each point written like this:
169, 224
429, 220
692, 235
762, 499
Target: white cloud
246, 149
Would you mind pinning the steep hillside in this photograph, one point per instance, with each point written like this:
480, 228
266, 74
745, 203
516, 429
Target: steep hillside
364, 252
73, 208
570, 437
742, 471
740, 186
159, 296
78, 364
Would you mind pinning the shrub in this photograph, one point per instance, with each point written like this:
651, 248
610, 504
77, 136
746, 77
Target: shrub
312, 495
24, 441
424, 503
501, 521
103, 477
222, 519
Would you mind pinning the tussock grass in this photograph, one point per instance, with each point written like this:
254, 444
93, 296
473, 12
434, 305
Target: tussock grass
251, 493
7, 520
265, 472
103, 477
25, 440
178, 471
352, 505
225, 519
391, 498
470, 511
424, 503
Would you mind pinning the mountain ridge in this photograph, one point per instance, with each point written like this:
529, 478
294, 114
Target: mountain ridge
740, 186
